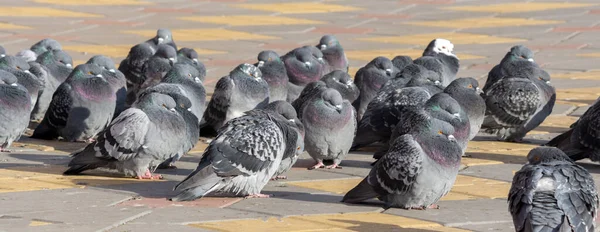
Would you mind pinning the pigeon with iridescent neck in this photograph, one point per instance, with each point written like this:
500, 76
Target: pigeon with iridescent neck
273, 71
190, 56
52, 68
333, 53
302, 67
439, 57
115, 78
369, 79
163, 36
45, 45
20, 68
516, 53
15, 104
342, 82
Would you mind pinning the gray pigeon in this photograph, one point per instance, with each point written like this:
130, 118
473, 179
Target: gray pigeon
243, 157
139, 139
342, 82
311, 90
15, 104
330, 123
190, 56
418, 170
132, 67
302, 68
2, 52
400, 62
421, 75
52, 68
26, 54
288, 112
158, 65
333, 53
20, 68
516, 53
242, 90
552, 193
163, 36
273, 71
369, 80
466, 92
115, 78
81, 107
438, 57
45, 45
519, 102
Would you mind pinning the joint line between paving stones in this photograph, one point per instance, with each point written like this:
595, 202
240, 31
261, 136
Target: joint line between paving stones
124, 221
458, 224
402, 9
121, 201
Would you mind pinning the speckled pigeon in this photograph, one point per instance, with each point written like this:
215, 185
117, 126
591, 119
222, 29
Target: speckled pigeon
132, 67
158, 65
552, 193
302, 68
163, 36
81, 107
438, 57
190, 56
516, 53
20, 68
52, 68
273, 71
418, 170
333, 53
14, 109
466, 92
243, 157
115, 78
288, 112
342, 82
369, 80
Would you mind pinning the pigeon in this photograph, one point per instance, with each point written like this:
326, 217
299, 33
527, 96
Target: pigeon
302, 67
273, 71
26, 54
45, 45
190, 56
466, 92
328, 120
242, 90
20, 68
333, 53
288, 112
15, 108
158, 65
342, 82
81, 107
400, 62
418, 170
516, 53
243, 157
52, 68
132, 67
115, 78
369, 79
438, 57
519, 102
552, 193
417, 75
311, 90
163, 36
2, 52
139, 139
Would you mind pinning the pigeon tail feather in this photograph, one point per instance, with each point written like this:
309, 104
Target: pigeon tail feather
363, 191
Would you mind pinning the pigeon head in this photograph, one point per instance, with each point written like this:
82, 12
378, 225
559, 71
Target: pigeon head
26, 54
400, 62
163, 36
104, 62
84, 71
283, 108
182, 71
544, 76
338, 77
422, 77
328, 41
14, 63
438, 46
167, 52
442, 106
2, 51
8, 78
463, 84
55, 57
333, 99
383, 64
189, 53
141, 50
316, 53
156, 100
437, 132
547, 155
249, 70
520, 52
45, 45
268, 56
305, 56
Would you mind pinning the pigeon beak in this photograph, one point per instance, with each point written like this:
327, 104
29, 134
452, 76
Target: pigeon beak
530, 60
349, 82
99, 75
27, 71
197, 80
69, 65
260, 64
160, 40
451, 138
292, 120
388, 71
172, 59
2, 55
112, 70
323, 46
320, 59
195, 60
457, 117
189, 109
338, 108
172, 109
14, 84
307, 63
547, 82
478, 90
437, 83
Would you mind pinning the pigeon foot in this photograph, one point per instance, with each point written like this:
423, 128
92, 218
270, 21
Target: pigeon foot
279, 178
318, 165
258, 196
149, 176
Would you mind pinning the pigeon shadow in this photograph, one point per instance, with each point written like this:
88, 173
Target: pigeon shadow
590, 167
146, 188
373, 226
47, 159
511, 159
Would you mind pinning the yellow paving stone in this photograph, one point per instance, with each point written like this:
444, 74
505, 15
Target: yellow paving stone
368, 55
93, 2
298, 8
251, 20
455, 38
591, 75
585, 94
589, 55
467, 161
337, 186
352, 70
39, 223
12, 26
573, 103
208, 34
14, 11
480, 187
465, 23
519, 7
559, 121
326, 222
498, 146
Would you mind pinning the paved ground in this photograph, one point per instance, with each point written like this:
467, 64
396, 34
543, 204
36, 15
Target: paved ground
35, 197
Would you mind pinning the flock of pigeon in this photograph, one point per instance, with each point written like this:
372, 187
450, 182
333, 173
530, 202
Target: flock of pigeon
152, 109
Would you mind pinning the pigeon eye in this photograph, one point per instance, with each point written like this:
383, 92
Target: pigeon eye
269, 59
182, 105
164, 105
523, 57
298, 148
189, 75
440, 132
443, 47
470, 86
19, 68
540, 78
90, 73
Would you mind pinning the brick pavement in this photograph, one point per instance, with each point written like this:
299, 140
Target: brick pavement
36, 197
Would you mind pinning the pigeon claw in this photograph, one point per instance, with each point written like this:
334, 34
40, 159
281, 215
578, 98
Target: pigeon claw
279, 178
318, 165
258, 196
149, 176
333, 166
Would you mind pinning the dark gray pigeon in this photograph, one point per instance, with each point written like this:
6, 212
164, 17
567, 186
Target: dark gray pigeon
418, 170
20, 68
243, 157
45, 45
342, 82
519, 102
273, 71
158, 65
163, 36
369, 80
438, 57
132, 67
302, 68
288, 112
333, 53
552, 193
190, 56
52, 68
242, 90
516, 53
466, 92
115, 78
15, 104
330, 123
143, 136
81, 107
400, 62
